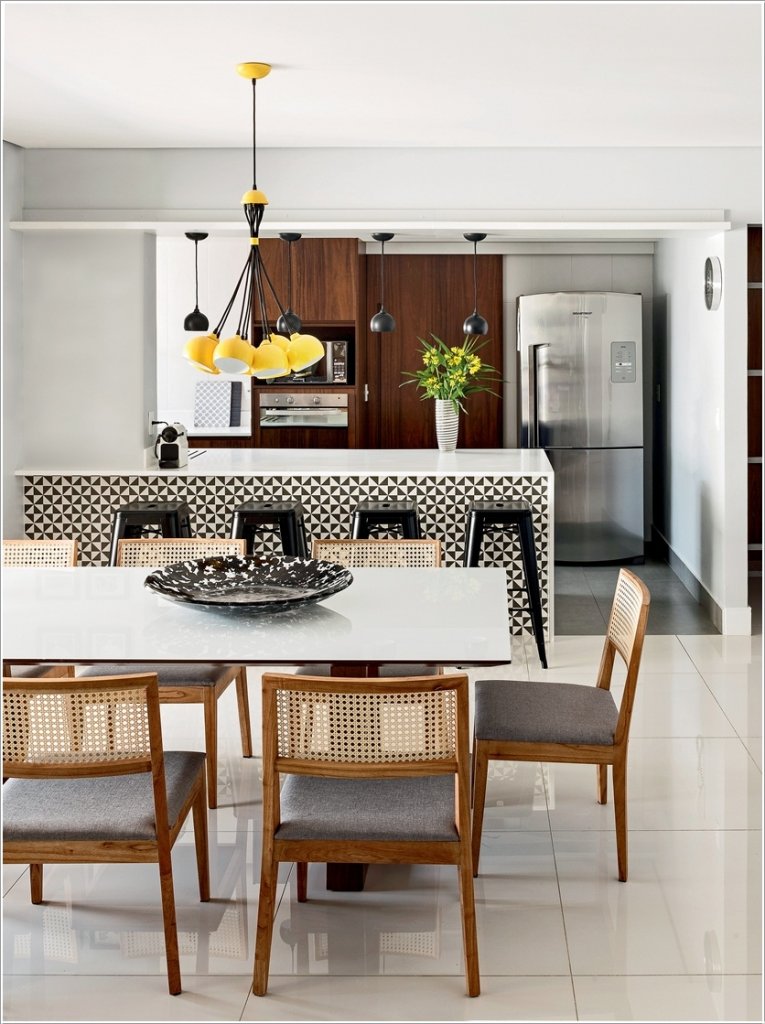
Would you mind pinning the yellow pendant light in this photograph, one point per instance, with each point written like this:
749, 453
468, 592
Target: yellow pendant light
304, 351
199, 352
275, 356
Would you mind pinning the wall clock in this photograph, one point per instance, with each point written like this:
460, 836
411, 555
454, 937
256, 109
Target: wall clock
712, 282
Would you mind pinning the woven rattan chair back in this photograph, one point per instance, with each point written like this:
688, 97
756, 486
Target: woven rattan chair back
625, 635
363, 728
66, 727
380, 554
42, 554
137, 552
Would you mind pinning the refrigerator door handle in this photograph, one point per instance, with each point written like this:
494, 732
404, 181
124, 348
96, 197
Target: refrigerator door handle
533, 409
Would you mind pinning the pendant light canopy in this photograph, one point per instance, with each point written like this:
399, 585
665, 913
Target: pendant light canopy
196, 321
475, 323
382, 322
289, 322
276, 356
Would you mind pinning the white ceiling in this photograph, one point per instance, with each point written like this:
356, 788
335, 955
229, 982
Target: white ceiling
383, 74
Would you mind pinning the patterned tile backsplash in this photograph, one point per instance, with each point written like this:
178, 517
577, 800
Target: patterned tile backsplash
84, 507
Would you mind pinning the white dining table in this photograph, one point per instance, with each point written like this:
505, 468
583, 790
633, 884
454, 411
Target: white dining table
99, 614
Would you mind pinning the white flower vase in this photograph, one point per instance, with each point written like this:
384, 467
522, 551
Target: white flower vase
447, 424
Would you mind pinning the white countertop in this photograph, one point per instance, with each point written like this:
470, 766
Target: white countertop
333, 462
443, 616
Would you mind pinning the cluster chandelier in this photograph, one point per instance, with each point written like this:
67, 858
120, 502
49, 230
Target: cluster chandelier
276, 355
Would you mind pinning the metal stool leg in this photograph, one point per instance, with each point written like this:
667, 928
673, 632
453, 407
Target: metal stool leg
360, 529
118, 532
289, 534
528, 554
411, 527
472, 554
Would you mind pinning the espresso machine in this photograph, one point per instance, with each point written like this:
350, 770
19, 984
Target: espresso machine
171, 448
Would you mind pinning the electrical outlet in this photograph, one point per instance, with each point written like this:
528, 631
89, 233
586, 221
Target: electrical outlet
150, 429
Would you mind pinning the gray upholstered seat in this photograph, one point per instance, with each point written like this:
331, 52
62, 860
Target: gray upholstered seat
415, 809
172, 674
526, 712
107, 807
384, 671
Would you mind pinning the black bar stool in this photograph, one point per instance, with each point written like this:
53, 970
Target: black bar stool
512, 516
254, 517
397, 514
149, 518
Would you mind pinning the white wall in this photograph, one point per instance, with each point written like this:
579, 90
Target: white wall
13, 345
132, 182
701, 427
89, 349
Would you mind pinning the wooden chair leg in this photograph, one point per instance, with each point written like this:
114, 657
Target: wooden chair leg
301, 870
469, 937
199, 810
168, 919
602, 770
620, 815
243, 703
210, 703
36, 882
473, 757
265, 927
480, 775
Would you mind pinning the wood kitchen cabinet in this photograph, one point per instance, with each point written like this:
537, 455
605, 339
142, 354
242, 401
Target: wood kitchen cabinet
327, 278
428, 294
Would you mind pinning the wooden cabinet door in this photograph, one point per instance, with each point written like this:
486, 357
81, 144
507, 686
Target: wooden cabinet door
429, 294
325, 279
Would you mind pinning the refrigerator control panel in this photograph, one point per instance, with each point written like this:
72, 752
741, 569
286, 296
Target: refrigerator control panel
623, 362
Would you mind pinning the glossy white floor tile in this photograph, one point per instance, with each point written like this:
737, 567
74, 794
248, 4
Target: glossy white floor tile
559, 937
710, 997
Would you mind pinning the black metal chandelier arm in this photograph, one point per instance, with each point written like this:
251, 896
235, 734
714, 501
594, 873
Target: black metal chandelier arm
243, 325
230, 305
271, 288
261, 294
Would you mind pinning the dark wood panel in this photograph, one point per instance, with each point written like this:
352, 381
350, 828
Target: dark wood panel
754, 328
429, 294
754, 417
325, 279
754, 247
755, 503
274, 253
200, 441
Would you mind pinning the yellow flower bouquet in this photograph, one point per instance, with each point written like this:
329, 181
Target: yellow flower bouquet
454, 372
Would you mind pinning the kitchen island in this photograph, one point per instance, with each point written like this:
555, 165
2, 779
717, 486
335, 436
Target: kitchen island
81, 503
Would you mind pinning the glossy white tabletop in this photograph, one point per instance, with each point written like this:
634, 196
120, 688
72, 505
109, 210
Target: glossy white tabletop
89, 614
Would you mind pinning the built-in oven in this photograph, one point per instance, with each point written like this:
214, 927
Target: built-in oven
302, 409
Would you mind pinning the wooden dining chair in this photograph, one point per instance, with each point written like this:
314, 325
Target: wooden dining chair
517, 720
375, 771
388, 553
189, 682
41, 554
88, 782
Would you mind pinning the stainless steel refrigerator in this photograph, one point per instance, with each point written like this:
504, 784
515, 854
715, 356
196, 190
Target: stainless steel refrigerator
581, 400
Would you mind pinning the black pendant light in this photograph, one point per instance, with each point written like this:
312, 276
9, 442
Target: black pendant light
289, 322
382, 322
196, 321
475, 323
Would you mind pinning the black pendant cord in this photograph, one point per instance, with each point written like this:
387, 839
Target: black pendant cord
382, 275
289, 275
254, 135
475, 277
196, 274
222, 322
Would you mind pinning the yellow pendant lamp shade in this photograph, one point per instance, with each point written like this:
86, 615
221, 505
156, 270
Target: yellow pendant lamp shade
304, 350
269, 361
277, 339
199, 352
233, 355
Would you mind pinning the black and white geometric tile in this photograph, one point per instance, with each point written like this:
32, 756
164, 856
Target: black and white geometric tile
84, 507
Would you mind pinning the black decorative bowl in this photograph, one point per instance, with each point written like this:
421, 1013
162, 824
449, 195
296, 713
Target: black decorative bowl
255, 583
